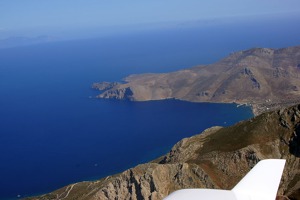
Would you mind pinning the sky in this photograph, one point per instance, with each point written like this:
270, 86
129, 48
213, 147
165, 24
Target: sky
40, 16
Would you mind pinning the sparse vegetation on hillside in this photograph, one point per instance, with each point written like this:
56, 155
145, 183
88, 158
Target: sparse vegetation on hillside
217, 158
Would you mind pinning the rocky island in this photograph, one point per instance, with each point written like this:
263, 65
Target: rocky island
266, 79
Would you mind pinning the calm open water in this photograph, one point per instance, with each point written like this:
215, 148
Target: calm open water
53, 134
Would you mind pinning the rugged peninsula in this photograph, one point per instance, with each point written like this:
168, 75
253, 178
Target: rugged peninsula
217, 158
266, 79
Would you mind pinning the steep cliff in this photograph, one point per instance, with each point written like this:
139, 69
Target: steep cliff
217, 158
265, 78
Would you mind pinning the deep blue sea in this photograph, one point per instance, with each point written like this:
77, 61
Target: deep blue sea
52, 134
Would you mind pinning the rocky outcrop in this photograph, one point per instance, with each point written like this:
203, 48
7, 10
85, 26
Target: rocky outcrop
217, 158
113, 91
266, 78
103, 86
121, 93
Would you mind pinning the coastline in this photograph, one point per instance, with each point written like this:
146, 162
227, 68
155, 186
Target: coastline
225, 108
264, 78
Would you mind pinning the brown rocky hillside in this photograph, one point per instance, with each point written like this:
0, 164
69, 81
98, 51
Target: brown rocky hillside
265, 78
217, 158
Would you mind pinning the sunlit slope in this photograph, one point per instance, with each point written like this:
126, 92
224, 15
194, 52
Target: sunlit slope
217, 158
265, 78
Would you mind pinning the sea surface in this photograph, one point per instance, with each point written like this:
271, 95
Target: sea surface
53, 132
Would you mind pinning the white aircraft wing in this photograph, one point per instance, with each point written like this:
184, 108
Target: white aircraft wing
261, 183
203, 194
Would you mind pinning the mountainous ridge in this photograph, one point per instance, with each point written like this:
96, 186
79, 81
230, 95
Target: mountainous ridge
265, 78
217, 158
